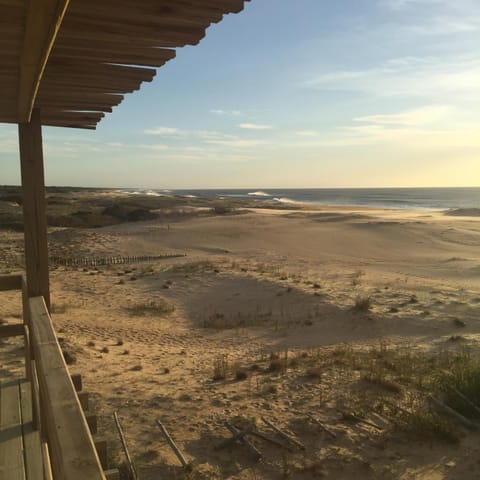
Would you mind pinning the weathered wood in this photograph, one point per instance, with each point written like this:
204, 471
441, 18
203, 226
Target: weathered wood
101, 448
356, 418
172, 444
10, 282
31, 437
83, 398
77, 381
268, 439
37, 419
11, 451
41, 27
112, 474
234, 430
131, 466
91, 419
47, 467
236, 436
322, 426
34, 208
12, 330
283, 434
65, 425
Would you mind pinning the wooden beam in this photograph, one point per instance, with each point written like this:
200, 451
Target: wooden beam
10, 282
12, 330
43, 21
72, 452
34, 208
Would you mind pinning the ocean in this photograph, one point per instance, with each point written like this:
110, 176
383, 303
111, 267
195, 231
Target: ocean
402, 198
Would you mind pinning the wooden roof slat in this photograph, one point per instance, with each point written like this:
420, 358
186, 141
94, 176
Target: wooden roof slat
41, 27
68, 68
152, 57
102, 50
179, 36
103, 98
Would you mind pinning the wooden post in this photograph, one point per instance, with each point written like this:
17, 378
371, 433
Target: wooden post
34, 208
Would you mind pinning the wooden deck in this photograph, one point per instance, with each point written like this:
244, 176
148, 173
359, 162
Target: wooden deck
44, 434
21, 449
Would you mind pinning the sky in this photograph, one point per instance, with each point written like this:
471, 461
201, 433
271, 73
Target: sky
305, 93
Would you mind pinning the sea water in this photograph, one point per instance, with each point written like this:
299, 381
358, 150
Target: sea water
403, 198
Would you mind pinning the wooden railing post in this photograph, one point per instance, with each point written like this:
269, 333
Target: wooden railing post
34, 208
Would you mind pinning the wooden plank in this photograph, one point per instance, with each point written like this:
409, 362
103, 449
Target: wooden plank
10, 282
112, 474
11, 451
83, 398
153, 57
92, 423
13, 330
104, 98
34, 208
77, 381
72, 451
41, 28
47, 467
102, 449
31, 438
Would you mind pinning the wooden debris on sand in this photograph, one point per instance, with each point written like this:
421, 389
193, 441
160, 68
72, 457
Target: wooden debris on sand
286, 436
132, 473
186, 465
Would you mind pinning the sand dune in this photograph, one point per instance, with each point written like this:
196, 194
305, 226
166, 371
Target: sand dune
256, 287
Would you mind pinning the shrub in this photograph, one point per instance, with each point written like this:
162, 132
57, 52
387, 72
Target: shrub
363, 303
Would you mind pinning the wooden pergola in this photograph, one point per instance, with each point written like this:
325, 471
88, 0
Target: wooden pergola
66, 63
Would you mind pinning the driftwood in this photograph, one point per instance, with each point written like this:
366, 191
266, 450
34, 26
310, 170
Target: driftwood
241, 436
173, 446
131, 468
286, 436
452, 413
251, 430
235, 436
270, 440
352, 416
322, 425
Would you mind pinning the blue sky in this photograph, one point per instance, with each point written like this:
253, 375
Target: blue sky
312, 93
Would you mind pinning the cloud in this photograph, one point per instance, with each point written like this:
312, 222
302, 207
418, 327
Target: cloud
444, 25
407, 76
254, 126
233, 113
416, 117
165, 131
238, 142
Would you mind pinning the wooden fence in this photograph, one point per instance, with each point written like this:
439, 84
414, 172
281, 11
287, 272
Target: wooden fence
105, 261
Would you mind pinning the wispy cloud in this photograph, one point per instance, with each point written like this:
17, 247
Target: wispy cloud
233, 113
407, 76
416, 117
255, 126
238, 142
164, 131
444, 25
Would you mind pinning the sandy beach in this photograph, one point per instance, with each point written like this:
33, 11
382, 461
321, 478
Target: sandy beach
284, 314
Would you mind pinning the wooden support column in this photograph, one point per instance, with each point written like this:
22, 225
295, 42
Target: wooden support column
34, 208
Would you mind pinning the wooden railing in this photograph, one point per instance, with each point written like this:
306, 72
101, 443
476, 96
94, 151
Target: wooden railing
57, 412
